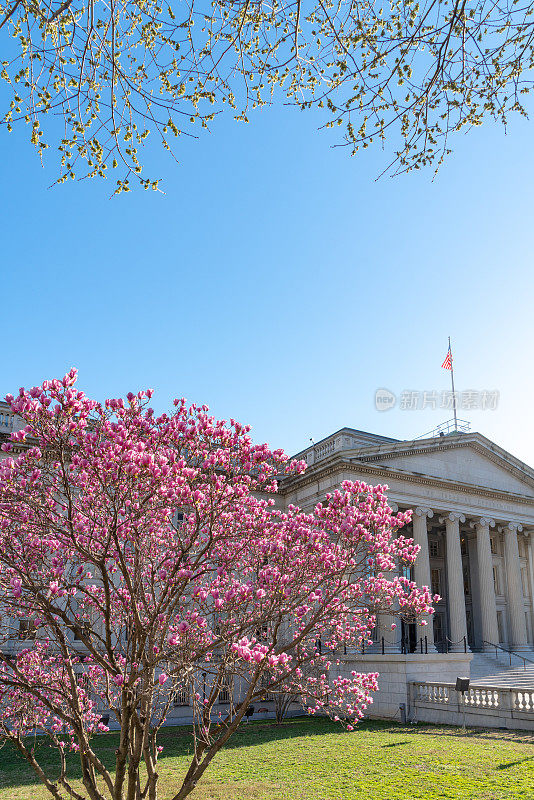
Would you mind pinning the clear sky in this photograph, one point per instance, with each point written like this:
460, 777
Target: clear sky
278, 282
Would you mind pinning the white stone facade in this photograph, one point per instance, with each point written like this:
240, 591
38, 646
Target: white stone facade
473, 517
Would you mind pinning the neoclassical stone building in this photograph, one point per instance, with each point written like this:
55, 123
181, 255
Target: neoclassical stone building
473, 517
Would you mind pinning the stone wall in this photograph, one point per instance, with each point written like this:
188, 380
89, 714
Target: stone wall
396, 671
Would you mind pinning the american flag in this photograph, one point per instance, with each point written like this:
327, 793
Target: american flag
447, 364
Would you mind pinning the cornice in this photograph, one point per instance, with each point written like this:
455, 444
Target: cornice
449, 444
414, 451
317, 472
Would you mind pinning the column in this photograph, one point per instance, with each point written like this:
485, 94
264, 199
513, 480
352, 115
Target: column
455, 583
421, 568
514, 594
530, 551
488, 609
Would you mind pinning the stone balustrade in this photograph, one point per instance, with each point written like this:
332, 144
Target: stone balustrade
344, 439
325, 449
484, 706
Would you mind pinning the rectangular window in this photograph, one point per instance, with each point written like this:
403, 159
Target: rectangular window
524, 582
438, 627
463, 545
500, 627
435, 580
82, 679
225, 692
128, 630
265, 681
262, 633
496, 584
433, 548
181, 695
467, 582
493, 545
26, 629
83, 630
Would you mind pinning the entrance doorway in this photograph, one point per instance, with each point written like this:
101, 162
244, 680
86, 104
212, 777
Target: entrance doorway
439, 632
409, 637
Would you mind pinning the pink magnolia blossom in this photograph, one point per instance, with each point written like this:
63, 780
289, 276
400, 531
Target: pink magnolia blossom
148, 552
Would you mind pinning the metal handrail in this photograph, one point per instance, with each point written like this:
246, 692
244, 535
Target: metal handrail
450, 426
448, 642
510, 653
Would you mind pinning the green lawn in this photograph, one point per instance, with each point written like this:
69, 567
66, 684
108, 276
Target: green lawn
309, 759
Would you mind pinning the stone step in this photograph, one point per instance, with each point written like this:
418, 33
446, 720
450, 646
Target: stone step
491, 671
498, 680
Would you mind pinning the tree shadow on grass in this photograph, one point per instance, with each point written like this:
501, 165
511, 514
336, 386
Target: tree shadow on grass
14, 770
515, 763
176, 742
455, 731
395, 744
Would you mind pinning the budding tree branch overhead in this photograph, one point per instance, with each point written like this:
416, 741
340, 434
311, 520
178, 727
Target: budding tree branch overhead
116, 72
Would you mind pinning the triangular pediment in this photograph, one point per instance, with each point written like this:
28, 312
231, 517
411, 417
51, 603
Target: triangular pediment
469, 459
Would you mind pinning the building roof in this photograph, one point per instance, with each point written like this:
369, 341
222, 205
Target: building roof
465, 458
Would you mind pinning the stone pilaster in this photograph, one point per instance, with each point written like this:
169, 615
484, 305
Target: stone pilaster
421, 569
488, 609
455, 583
517, 639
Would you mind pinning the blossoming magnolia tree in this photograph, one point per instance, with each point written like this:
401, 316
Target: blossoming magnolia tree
144, 555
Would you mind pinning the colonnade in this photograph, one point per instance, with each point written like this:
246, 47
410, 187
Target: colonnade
486, 597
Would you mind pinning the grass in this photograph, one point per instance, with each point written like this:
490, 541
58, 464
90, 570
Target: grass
315, 759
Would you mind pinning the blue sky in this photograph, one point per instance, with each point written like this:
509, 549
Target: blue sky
278, 282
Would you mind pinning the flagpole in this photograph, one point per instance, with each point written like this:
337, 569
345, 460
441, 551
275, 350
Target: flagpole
453, 392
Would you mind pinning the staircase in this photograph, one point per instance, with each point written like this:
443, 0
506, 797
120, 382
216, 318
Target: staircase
486, 670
